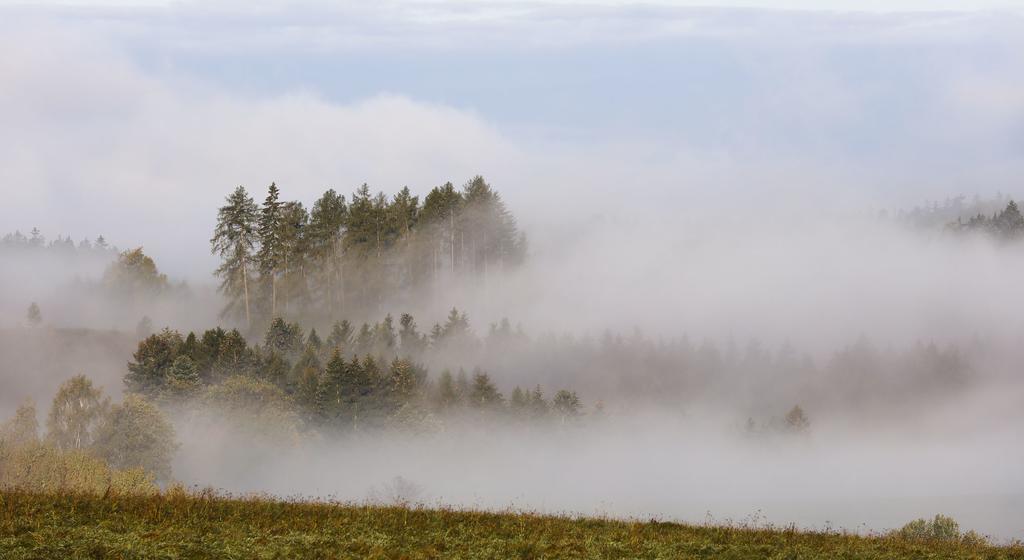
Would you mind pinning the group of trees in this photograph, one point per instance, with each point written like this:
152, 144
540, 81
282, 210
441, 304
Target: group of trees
36, 241
1007, 224
998, 216
372, 376
343, 257
88, 443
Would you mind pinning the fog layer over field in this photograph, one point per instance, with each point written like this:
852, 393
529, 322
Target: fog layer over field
902, 344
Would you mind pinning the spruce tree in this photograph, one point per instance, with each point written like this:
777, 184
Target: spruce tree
295, 249
566, 404
271, 255
327, 224
484, 394
447, 392
234, 239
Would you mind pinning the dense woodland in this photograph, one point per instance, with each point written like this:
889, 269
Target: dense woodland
353, 379
344, 257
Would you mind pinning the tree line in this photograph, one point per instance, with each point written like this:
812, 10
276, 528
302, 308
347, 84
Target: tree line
344, 257
353, 379
1007, 224
36, 241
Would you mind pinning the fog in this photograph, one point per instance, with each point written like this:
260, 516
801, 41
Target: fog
787, 268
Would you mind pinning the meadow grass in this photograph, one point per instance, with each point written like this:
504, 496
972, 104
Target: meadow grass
179, 524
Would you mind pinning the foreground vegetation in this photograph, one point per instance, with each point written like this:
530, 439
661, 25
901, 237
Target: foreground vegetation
177, 524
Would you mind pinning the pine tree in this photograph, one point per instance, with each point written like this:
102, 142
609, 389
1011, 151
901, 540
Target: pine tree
566, 404
234, 239
341, 336
283, 338
538, 406
441, 212
403, 382
385, 336
336, 390
327, 224
152, 362
484, 394
271, 255
182, 378
447, 393
308, 394
313, 341
1009, 223
518, 402
411, 341
295, 248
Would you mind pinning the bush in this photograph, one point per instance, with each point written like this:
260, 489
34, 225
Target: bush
941, 528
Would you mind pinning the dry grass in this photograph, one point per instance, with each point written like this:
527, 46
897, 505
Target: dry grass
178, 524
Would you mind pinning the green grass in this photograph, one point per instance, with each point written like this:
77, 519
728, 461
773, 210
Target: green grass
180, 525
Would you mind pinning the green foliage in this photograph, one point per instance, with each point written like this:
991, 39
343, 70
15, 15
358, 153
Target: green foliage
349, 256
176, 524
284, 338
136, 434
234, 240
134, 274
484, 394
153, 361
1007, 224
255, 407
566, 404
367, 379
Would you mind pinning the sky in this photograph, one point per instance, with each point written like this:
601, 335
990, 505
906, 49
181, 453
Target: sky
134, 119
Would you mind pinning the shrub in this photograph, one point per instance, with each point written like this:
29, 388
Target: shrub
941, 528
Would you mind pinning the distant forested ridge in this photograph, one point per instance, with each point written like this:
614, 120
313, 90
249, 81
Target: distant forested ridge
389, 373
998, 217
36, 242
344, 257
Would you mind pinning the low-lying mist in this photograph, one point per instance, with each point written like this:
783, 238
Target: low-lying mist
825, 312
696, 466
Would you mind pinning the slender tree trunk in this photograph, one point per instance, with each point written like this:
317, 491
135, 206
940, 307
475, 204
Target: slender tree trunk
245, 289
330, 296
273, 294
284, 291
341, 282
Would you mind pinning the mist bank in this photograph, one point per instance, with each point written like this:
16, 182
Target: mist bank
694, 467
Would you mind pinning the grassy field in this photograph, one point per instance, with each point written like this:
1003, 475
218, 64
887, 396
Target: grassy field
179, 525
